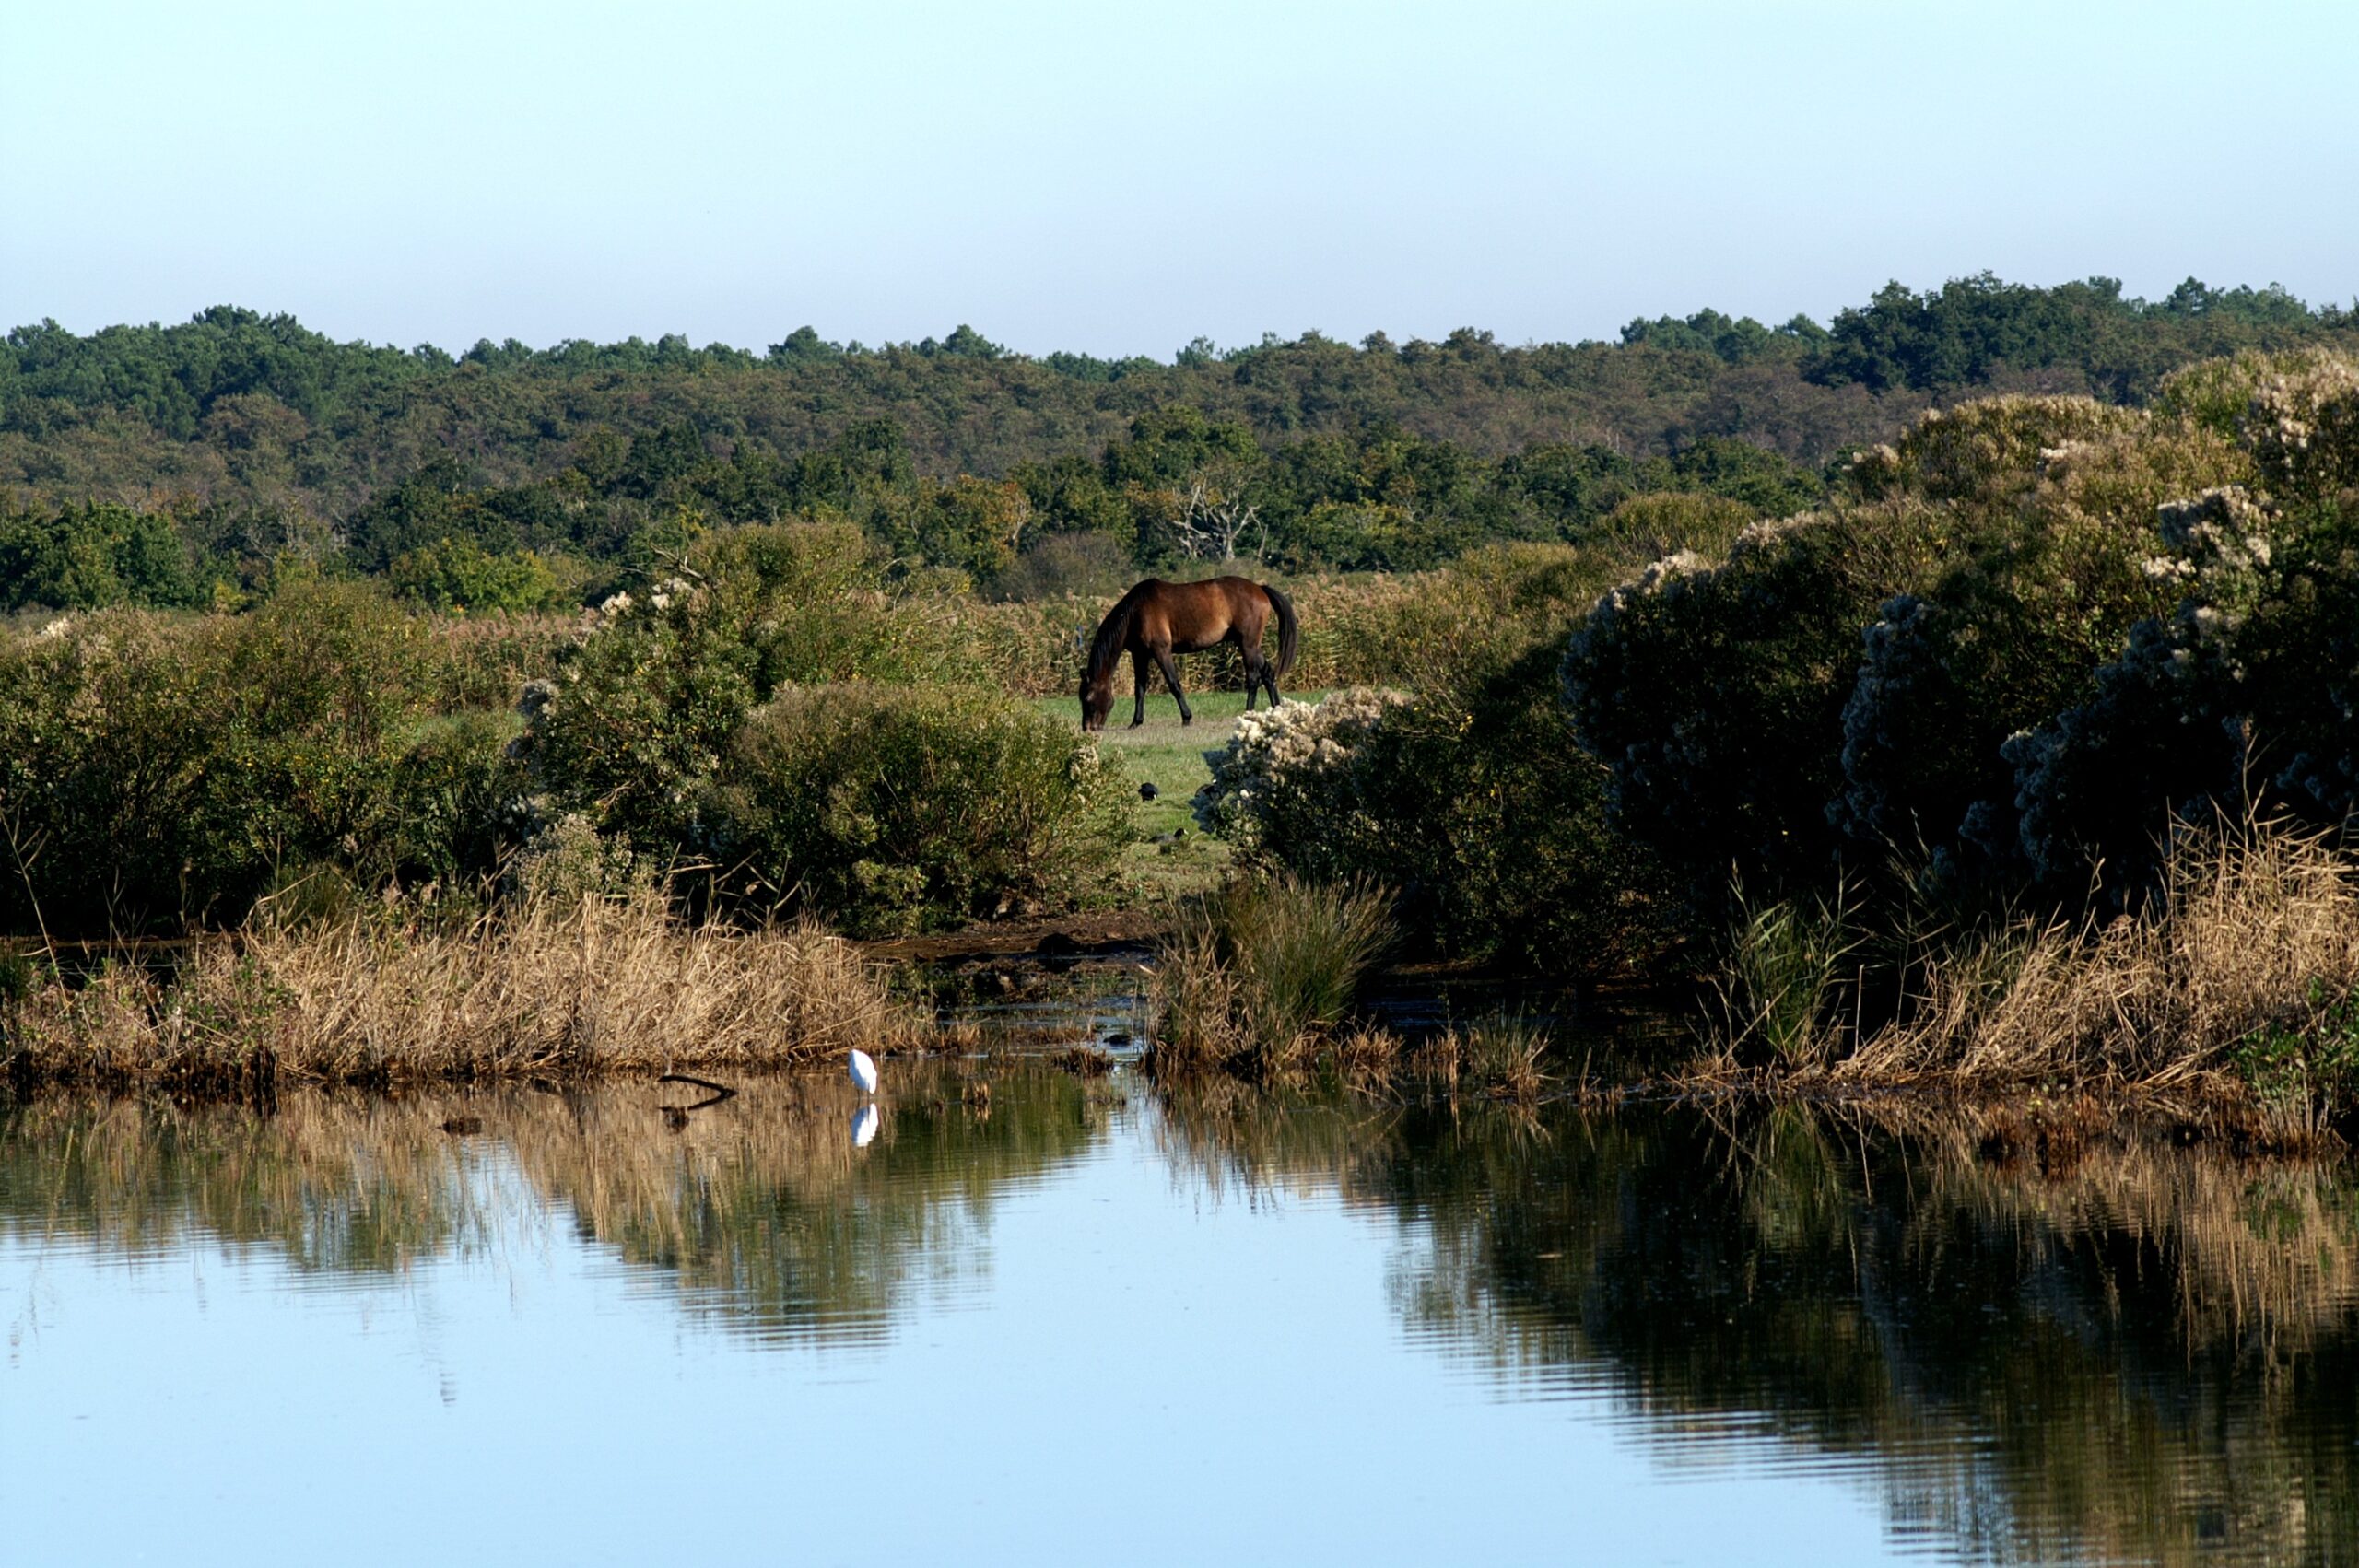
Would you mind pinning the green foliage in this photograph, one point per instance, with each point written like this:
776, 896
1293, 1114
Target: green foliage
1480, 804
644, 708
454, 573
2310, 1068
158, 772
1779, 979
1471, 794
1388, 456
892, 809
1715, 695
1970, 328
92, 558
1259, 969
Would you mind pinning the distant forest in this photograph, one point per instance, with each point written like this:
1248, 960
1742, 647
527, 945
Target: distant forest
197, 463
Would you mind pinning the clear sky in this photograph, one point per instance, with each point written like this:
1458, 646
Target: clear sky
1121, 178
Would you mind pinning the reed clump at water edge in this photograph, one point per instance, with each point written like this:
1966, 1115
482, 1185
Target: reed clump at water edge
2226, 987
1259, 982
1256, 976
546, 988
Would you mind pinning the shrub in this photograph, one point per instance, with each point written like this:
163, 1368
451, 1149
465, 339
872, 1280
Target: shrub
1478, 804
454, 573
2246, 685
1714, 696
1471, 795
2039, 594
892, 809
1986, 450
645, 706
155, 772
1271, 780
1648, 528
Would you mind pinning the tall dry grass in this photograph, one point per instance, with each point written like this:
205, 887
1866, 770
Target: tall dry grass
2256, 926
549, 988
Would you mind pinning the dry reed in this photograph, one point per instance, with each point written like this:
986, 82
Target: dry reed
2256, 926
550, 989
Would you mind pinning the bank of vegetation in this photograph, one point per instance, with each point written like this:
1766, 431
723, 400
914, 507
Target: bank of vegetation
2027, 758
2013, 748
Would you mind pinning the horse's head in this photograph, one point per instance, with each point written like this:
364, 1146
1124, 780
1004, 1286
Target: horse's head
1097, 697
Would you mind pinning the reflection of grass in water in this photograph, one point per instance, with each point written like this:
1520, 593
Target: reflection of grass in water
2109, 1356
760, 1211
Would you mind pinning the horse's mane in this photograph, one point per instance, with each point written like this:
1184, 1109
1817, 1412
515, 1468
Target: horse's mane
1115, 629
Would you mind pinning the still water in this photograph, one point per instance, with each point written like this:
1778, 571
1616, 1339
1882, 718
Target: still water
1091, 1323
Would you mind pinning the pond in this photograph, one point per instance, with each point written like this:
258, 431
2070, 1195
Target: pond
1082, 1320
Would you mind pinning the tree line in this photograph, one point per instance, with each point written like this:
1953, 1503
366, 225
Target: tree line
180, 464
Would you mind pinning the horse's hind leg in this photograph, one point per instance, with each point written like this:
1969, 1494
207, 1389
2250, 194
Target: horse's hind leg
1171, 673
1139, 680
1257, 670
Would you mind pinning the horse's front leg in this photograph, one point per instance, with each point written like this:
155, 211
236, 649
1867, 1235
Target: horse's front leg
1139, 680
1171, 675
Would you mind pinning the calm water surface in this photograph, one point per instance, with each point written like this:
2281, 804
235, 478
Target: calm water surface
1095, 1324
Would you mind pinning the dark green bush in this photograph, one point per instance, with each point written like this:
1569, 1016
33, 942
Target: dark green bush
157, 771
644, 708
1714, 696
1471, 795
891, 809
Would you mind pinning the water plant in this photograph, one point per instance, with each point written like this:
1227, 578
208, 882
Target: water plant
1258, 971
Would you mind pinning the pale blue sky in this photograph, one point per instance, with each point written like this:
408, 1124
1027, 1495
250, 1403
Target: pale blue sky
1119, 179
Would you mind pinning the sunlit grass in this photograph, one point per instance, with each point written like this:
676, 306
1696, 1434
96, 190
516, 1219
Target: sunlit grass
1163, 752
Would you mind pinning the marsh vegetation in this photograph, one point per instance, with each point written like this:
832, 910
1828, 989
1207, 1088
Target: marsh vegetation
2011, 750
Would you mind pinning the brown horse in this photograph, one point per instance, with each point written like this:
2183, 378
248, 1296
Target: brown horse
1157, 619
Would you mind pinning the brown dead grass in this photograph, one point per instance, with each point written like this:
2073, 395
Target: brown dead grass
547, 990
2257, 922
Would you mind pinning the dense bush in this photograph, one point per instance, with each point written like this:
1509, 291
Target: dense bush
1715, 695
2030, 630
1470, 794
892, 809
155, 771
644, 707
92, 558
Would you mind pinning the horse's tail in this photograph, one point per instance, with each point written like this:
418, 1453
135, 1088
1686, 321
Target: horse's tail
1289, 630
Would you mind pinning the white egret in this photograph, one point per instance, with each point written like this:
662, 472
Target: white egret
863, 1071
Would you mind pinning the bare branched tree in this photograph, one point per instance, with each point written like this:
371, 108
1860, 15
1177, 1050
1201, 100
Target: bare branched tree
1214, 512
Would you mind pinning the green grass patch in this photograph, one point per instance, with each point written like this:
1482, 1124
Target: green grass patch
1162, 753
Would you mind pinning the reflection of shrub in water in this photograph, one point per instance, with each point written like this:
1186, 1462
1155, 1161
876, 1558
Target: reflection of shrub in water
2116, 1359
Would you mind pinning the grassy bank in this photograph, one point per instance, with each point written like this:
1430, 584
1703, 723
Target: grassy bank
550, 989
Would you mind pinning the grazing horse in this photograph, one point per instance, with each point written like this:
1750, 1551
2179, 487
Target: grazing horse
1159, 619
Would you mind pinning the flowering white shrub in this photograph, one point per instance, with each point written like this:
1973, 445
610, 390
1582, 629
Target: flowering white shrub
1284, 747
2303, 428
